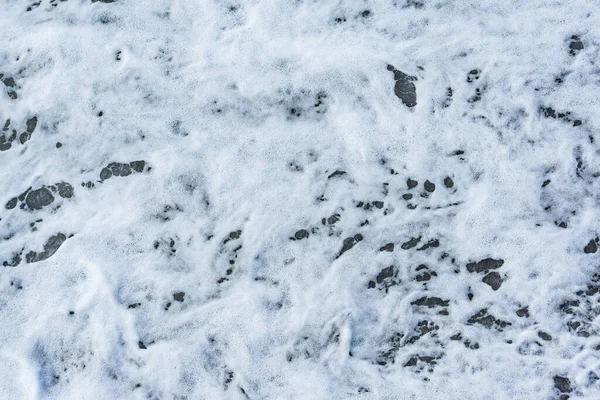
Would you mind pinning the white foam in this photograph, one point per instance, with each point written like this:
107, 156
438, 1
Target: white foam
219, 99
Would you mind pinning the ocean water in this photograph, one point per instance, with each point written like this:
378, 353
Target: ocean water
285, 199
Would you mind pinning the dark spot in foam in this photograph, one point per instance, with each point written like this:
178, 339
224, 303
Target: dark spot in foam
425, 275
448, 100
493, 279
138, 166
232, 236
523, 312
426, 359
448, 182
12, 203
388, 247
24, 137
484, 265
331, 220
576, 45
430, 302
65, 190
119, 169
429, 186
51, 247
39, 198
31, 124
431, 243
178, 296
22, 195
385, 279
563, 384
487, 320
591, 247
385, 273
411, 243
549, 112
9, 82
404, 88
16, 260
544, 336
567, 306
105, 174
301, 234
349, 243
336, 173
473, 75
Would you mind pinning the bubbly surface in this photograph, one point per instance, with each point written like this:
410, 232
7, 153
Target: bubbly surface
287, 199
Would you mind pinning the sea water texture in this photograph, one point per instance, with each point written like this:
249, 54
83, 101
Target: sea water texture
286, 199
